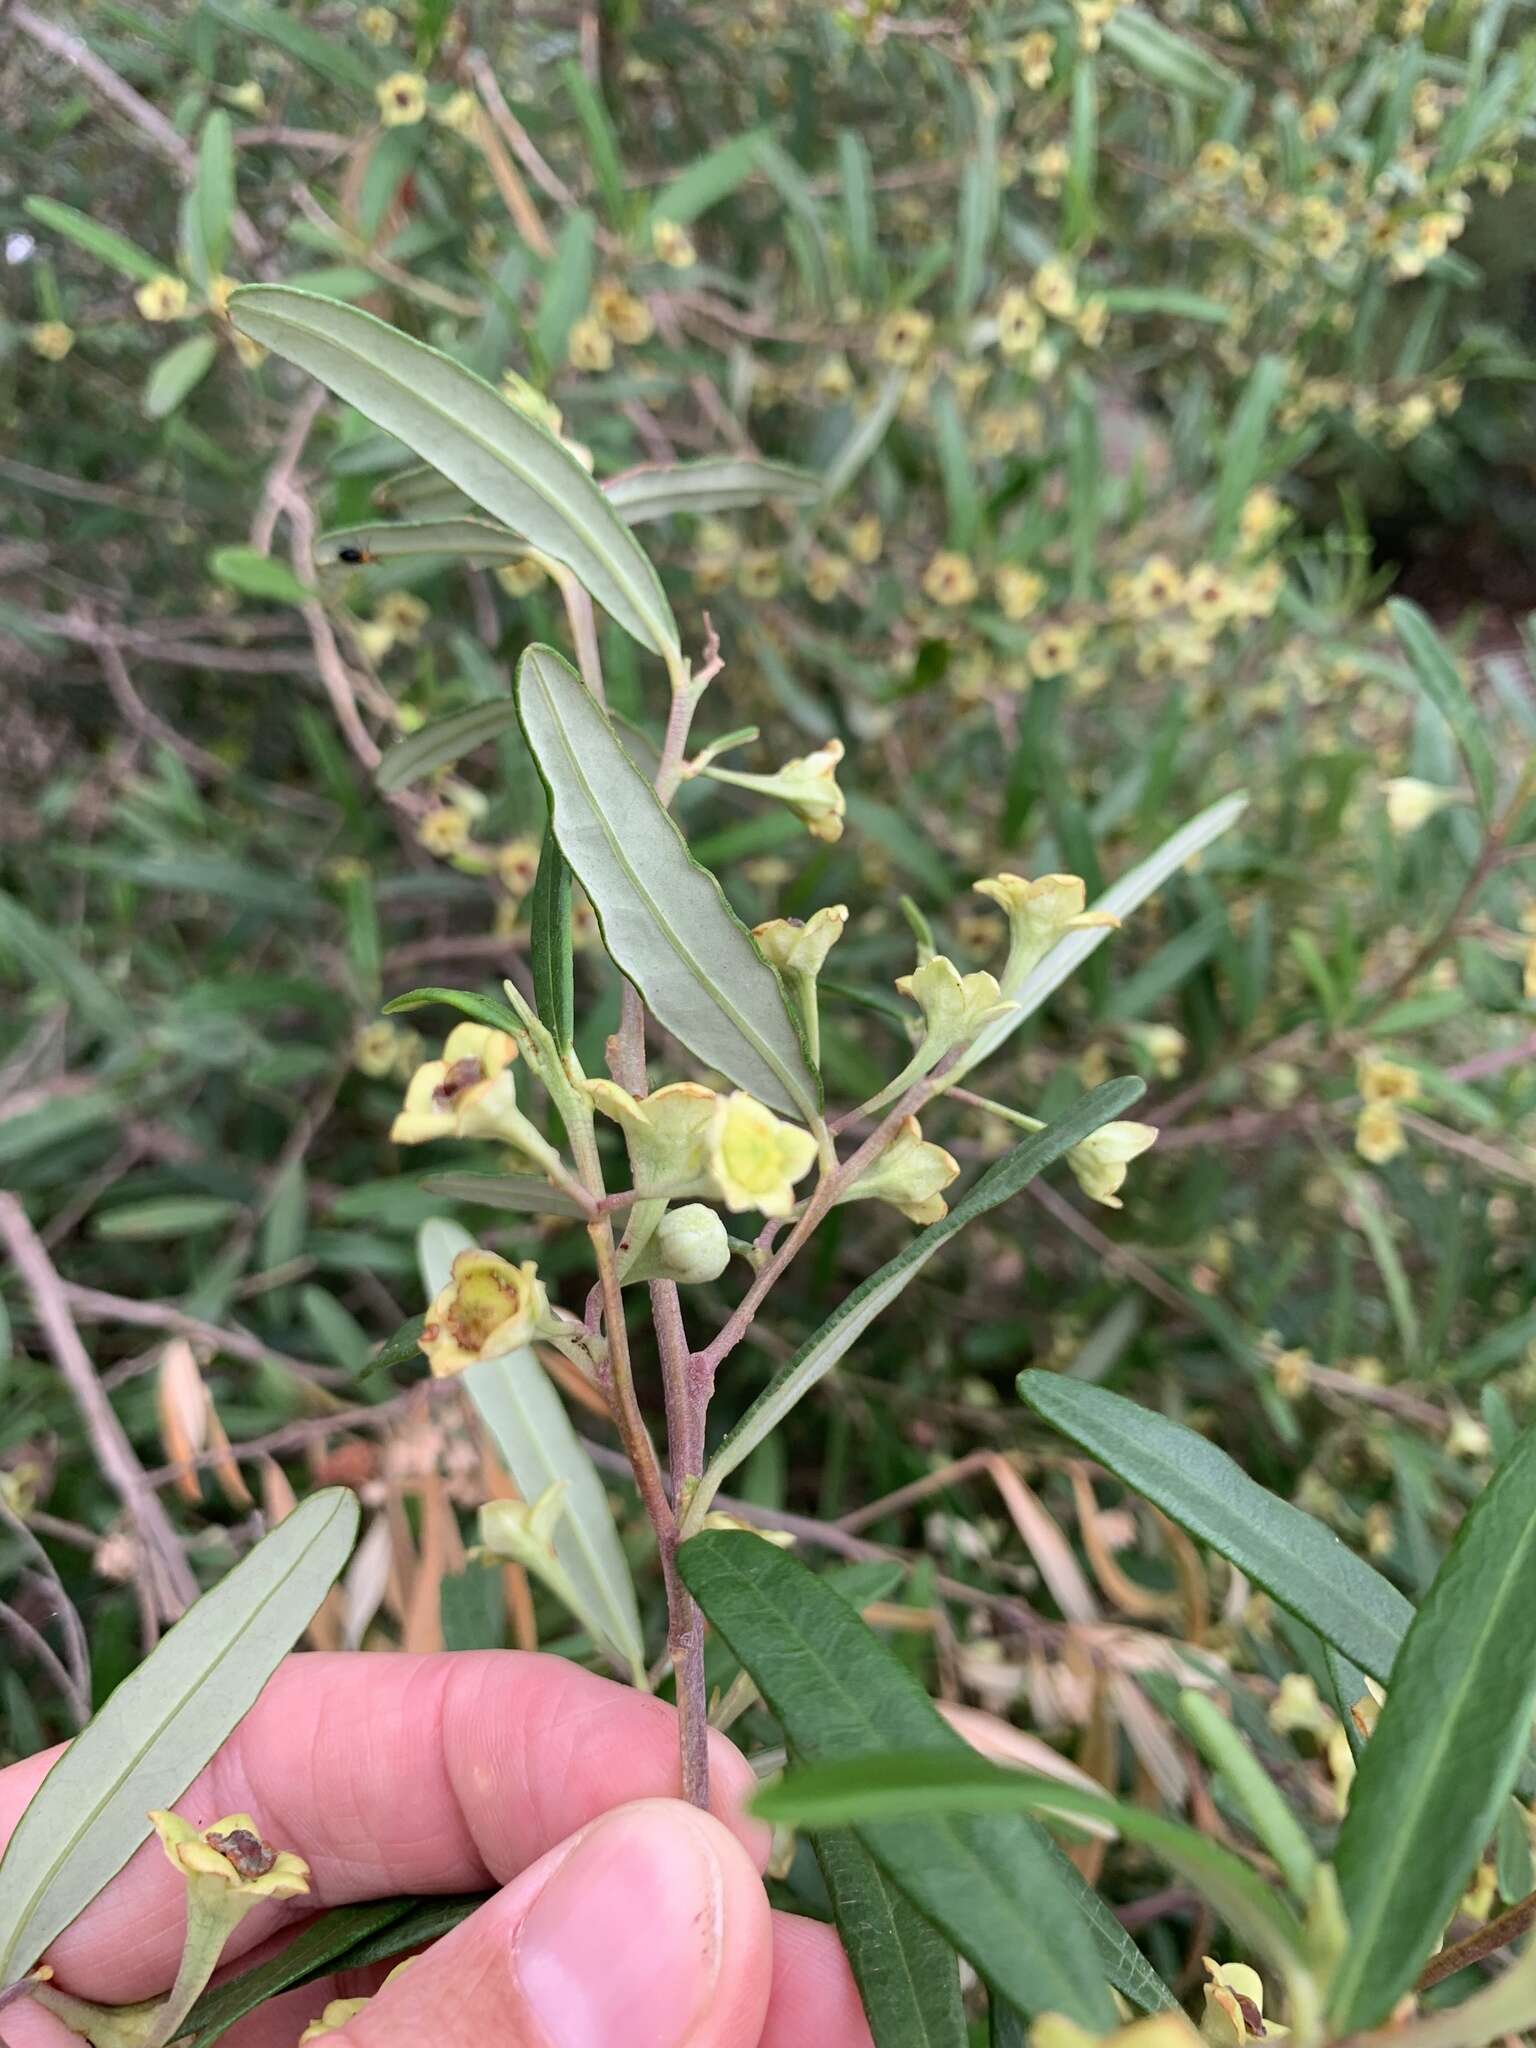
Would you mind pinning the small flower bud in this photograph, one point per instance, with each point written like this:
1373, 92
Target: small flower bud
955, 1006
1100, 1161
794, 946
807, 784
1412, 803
910, 1174
1039, 913
162, 298
689, 1245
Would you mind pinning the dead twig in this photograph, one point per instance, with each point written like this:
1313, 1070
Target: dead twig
174, 1586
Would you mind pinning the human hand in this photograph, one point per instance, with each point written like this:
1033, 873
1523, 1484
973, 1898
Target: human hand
626, 1919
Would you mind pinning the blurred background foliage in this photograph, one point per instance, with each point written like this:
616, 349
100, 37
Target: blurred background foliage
1143, 353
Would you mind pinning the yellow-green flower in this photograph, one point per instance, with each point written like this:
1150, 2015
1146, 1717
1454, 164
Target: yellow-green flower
471, 1092
903, 337
1034, 54
911, 1174
666, 1133
443, 831
247, 97
1386, 1081
488, 1308
950, 578
460, 113
589, 345
404, 613
1234, 2007
800, 946
808, 785
626, 318
1100, 1162
760, 573
755, 1158
162, 298
1019, 590
1056, 289
1156, 587
341, 2012
955, 1006
51, 339
1055, 650
673, 244
402, 99
1379, 1133
1412, 803
1019, 322
378, 24
826, 575
231, 1858
1039, 913
520, 579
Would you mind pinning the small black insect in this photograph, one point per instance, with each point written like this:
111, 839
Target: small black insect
353, 555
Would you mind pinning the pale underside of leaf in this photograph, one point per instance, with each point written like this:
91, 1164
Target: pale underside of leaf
536, 1442
504, 461
162, 1725
665, 920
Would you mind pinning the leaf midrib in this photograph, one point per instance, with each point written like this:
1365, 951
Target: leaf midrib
759, 1045
615, 565
202, 1679
1002, 1901
1444, 1726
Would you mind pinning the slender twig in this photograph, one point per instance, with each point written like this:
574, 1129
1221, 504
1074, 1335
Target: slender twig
280, 476
519, 141
1485, 1942
578, 611
138, 714
92, 1305
176, 1587
42, 1650
76, 1650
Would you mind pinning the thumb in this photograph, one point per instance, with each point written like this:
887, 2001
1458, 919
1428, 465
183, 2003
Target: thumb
649, 1929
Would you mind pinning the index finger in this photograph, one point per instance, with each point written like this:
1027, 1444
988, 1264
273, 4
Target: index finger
393, 1774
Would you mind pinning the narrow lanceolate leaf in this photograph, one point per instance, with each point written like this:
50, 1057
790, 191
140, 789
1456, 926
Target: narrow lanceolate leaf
1437, 675
816, 1358
864, 439
538, 1446
1119, 900
162, 1725
665, 920
103, 243
519, 1193
931, 1782
906, 1971
443, 742
469, 540
490, 1010
471, 435
720, 483
549, 942
1294, 1557
990, 1883
1445, 1753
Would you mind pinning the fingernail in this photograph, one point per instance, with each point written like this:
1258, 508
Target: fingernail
623, 1944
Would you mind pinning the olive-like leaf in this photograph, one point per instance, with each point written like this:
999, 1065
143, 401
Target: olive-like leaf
665, 920
1445, 1754
521, 1193
549, 942
907, 1973
506, 462
537, 1444
470, 540
1293, 1556
992, 1884
443, 742
719, 483
816, 1358
162, 1725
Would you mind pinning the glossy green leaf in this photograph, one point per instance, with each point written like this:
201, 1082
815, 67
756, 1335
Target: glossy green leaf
567, 287
400, 1349
990, 1883
162, 1725
177, 375
1290, 1554
1433, 669
328, 56
816, 1358
665, 920
254, 574
491, 1010
718, 483
1446, 1750
161, 1216
49, 956
468, 540
520, 1194
1245, 443
549, 942
346, 1938
906, 1971
504, 461
930, 1782
104, 244
444, 741
1119, 900
538, 1446
1165, 57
